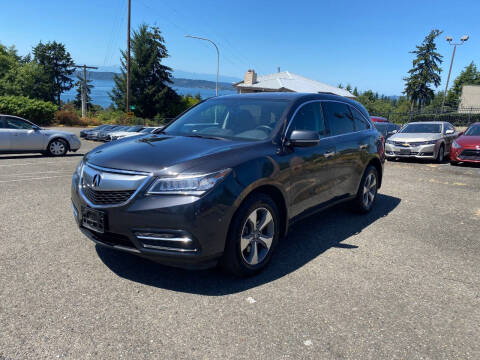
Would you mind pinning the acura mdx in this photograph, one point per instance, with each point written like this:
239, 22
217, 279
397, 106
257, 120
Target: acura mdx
223, 182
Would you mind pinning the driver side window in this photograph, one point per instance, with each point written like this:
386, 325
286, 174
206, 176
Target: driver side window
17, 124
308, 117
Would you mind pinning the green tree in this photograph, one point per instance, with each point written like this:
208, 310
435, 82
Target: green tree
149, 78
58, 66
78, 97
469, 76
355, 91
425, 71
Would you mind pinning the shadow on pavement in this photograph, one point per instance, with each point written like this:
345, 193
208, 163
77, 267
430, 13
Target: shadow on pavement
307, 239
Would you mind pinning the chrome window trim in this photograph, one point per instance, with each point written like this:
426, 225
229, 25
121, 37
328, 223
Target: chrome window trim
323, 117
142, 186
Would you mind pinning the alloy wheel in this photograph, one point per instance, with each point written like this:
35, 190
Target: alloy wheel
257, 236
369, 190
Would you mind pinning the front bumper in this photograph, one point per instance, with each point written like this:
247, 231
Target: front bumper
205, 220
75, 144
421, 152
470, 155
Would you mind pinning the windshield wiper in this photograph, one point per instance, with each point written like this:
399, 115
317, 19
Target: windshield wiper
206, 136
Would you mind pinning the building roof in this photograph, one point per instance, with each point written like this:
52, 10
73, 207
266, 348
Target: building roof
286, 80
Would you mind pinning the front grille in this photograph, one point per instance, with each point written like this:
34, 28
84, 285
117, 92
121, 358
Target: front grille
107, 197
113, 239
470, 154
402, 143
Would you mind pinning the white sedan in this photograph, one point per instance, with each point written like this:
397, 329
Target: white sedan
18, 135
139, 130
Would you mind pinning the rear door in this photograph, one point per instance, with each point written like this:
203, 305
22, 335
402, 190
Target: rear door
349, 146
24, 135
311, 177
449, 137
4, 136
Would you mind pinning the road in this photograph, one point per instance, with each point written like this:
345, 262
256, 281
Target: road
399, 283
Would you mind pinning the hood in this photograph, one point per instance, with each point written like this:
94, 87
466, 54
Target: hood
154, 153
468, 141
414, 137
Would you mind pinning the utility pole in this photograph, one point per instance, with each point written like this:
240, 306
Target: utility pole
128, 57
449, 39
84, 87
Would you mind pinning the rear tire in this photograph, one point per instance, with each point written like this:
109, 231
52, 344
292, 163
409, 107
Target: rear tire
57, 147
367, 191
253, 236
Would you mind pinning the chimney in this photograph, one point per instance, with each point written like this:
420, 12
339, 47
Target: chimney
250, 77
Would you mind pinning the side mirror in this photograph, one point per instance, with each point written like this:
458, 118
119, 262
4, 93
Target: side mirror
304, 138
449, 132
394, 131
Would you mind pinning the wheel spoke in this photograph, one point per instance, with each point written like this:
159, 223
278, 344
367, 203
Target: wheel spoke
253, 219
265, 220
373, 184
266, 241
253, 256
245, 240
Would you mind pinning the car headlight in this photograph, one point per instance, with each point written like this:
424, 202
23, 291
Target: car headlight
79, 168
429, 142
389, 142
195, 184
455, 145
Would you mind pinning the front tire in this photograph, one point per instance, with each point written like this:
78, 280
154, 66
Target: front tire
57, 147
367, 192
441, 154
253, 235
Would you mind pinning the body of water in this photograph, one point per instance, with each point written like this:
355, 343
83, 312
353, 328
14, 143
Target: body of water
101, 88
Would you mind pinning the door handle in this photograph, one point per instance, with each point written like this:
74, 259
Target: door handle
329, 152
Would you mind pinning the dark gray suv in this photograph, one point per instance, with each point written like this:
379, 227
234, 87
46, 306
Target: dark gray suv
223, 182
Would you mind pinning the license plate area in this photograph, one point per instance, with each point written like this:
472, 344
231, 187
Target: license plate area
93, 219
404, 151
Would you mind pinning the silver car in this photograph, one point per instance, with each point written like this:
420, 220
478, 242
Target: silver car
423, 140
18, 135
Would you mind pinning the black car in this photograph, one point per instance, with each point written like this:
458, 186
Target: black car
224, 181
387, 129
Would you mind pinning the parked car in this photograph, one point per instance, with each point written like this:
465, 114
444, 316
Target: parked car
131, 131
19, 135
466, 148
84, 133
223, 182
422, 140
149, 130
387, 129
376, 119
103, 134
93, 134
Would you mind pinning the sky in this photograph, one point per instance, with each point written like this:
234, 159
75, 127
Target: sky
362, 43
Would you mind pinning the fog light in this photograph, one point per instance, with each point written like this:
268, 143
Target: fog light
178, 242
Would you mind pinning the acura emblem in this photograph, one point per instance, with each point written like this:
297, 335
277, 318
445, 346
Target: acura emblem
96, 180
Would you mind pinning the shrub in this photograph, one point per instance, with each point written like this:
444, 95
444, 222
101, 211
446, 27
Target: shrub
67, 117
38, 111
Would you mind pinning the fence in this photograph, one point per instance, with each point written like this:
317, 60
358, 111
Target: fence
464, 117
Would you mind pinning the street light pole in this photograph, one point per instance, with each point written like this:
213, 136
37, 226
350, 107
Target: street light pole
218, 56
84, 87
450, 39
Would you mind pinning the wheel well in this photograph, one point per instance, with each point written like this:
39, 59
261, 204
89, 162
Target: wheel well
59, 137
279, 199
378, 165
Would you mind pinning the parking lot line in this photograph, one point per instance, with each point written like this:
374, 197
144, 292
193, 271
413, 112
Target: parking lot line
37, 178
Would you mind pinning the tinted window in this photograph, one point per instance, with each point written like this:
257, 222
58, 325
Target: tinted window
14, 123
1, 122
308, 117
360, 122
339, 118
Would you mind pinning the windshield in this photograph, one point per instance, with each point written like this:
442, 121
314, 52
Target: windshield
422, 128
230, 118
473, 130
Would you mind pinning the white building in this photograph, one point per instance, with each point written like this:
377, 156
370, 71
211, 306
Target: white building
285, 81
470, 99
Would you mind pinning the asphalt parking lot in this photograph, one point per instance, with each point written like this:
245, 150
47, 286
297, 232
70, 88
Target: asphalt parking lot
402, 282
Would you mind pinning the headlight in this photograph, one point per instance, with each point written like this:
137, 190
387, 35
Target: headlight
195, 184
455, 145
78, 170
389, 142
428, 142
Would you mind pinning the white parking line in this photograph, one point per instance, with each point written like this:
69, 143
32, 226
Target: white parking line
38, 178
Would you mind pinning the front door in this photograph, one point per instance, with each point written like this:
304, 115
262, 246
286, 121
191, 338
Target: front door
4, 136
23, 135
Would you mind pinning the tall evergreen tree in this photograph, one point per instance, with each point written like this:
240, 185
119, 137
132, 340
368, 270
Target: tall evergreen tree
469, 76
425, 71
149, 78
78, 97
58, 65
